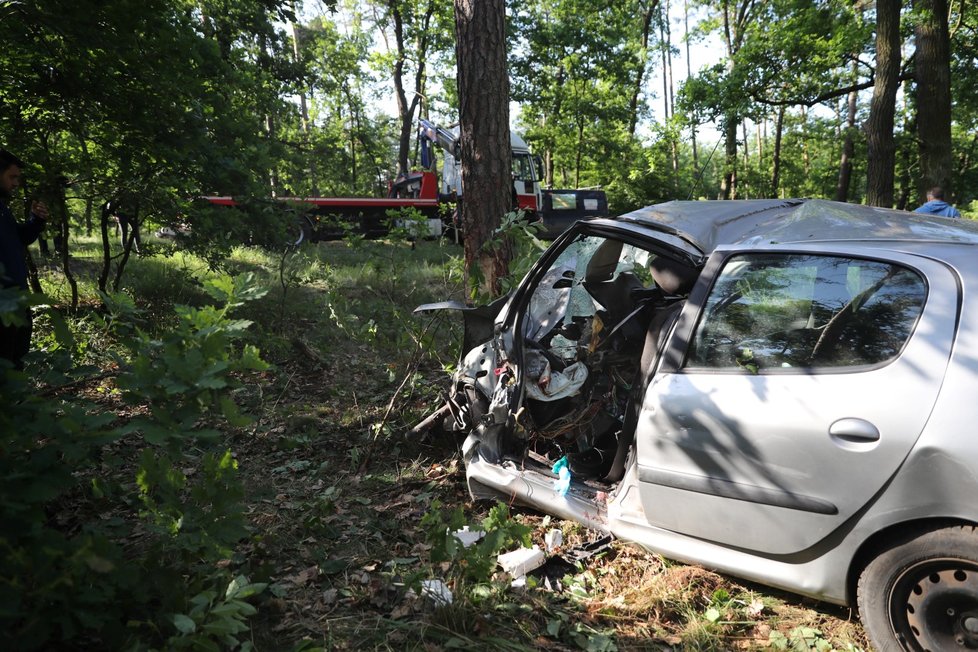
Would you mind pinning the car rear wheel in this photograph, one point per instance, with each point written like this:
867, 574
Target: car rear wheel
922, 593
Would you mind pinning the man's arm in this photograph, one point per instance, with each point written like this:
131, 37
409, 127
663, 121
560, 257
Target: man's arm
29, 231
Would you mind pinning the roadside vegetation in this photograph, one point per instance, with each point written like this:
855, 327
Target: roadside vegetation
217, 459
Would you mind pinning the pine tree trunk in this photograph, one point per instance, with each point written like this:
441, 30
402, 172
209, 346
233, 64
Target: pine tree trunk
881, 154
483, 91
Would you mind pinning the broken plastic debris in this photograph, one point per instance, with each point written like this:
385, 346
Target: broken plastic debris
436, 591
553, 539
555, 385
520, 562
467, 537
562, 483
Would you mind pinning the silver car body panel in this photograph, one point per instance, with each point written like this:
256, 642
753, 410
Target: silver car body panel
746, 473
717, 450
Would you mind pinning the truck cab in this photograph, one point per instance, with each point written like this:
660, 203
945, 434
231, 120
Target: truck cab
527, 167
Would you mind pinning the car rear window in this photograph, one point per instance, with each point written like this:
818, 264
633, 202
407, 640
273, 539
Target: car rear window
786, 311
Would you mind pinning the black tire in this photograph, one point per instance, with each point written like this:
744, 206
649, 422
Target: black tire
921, 593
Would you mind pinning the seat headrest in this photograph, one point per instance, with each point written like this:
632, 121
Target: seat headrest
672, 276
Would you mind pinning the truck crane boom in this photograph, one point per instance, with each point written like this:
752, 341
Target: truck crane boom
429, 133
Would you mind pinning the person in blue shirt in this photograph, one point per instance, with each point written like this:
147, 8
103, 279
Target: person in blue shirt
936, 205
15, 339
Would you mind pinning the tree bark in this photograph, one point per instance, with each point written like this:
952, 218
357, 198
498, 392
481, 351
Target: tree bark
932, 70
776, 156
736, 14
308, 157
848, 147
689, 74
881, 154
406, 108
728, 184
633, 102
483, 91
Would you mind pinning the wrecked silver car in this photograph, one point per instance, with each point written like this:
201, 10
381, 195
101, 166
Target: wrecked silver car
781, 390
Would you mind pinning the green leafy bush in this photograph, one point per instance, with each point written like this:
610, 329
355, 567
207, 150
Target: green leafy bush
477, 561
89, 558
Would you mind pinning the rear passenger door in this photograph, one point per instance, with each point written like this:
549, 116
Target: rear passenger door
794, 386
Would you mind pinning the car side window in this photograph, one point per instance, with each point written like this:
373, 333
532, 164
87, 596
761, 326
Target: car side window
785, 311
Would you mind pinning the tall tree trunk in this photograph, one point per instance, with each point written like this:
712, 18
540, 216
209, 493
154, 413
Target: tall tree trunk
356, 129
483, 92
674, 145
579, 154
806, 157
881, 154
776, 156
668, 70
728, 185
736, 14
406, 108
663, 53
273, 180
106, 267
308, 157
633, 102
689, 74
760, 136
932, 71
743, 125
90, 183
848, 145
906, 185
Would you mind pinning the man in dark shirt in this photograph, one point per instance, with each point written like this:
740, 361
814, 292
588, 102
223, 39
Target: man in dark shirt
15, 339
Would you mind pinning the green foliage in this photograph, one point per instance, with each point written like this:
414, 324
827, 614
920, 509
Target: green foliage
80, 582
514, 231
187, 371
407, 224
805, 639
476, 562
585, 637
216, 621
574, 65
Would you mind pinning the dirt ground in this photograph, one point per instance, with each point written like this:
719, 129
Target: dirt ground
336, 517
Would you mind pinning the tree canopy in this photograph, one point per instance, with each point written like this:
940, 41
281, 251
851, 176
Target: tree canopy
155, 103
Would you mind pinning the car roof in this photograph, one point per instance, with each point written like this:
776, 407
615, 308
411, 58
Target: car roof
709, 224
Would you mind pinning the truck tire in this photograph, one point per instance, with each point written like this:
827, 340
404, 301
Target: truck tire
921, 593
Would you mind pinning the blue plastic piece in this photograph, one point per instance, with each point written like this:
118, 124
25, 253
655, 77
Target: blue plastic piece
562, 483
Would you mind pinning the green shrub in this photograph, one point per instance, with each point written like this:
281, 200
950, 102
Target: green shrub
91, 559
